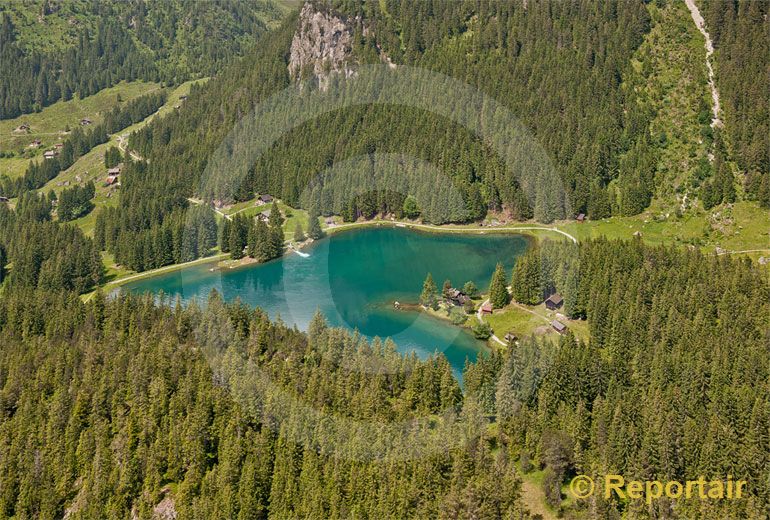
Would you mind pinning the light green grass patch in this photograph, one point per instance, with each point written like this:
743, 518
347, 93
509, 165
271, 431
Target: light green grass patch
90, 167
49, 124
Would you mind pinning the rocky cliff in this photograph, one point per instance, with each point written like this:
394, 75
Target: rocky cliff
322, 46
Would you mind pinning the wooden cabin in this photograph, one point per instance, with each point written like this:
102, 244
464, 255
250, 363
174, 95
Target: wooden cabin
457, 297
510, 337
559, 326
581, 218
555, 301
50, 154
486, 308
36, 143
85, 121
264, 199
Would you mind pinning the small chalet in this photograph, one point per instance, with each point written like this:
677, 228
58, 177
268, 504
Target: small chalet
264, 199
50, 154
559, 326
24, 127
510, 337
114, 171
581, 218
36, 143
182, 97
4, 199
457, 297
112, 180
264, 216
85, 121
486, 308
59, 146
554, 302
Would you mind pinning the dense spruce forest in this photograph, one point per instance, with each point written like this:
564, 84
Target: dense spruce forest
564, 69
113, 406
741, 34
125, 406
166, 41
569, 95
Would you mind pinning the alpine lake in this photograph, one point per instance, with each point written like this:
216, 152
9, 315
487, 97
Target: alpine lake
354, 278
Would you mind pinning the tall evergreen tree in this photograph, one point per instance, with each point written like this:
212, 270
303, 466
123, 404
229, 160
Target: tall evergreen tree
498, 288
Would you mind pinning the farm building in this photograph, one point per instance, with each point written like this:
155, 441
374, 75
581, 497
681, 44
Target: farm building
486, 308
559, 326
264, 199
457, 297
554, 302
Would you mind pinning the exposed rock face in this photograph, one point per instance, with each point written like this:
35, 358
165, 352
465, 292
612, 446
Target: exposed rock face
322, 46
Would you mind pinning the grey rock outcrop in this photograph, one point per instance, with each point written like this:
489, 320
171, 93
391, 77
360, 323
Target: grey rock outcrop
322, 46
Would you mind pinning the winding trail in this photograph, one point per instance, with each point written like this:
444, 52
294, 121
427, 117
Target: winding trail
123, 144
481, 320
198, 202
445, 229
701, 25
743, 251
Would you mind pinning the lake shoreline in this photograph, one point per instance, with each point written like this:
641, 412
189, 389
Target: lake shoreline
530, 233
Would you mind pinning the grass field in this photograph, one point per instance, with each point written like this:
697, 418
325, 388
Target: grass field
527, 320
90, 167
736, 227
49, 124
291, 215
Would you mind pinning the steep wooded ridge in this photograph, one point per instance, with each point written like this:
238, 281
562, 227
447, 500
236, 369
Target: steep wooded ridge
58, 49
558, 67
741, 35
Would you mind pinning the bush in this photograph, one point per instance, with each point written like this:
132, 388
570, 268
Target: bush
482, 331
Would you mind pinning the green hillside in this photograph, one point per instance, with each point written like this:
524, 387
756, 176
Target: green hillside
61, 48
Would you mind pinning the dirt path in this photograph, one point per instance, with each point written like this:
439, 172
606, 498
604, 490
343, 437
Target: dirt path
198, 202
701, 25
743, 251
123, 143
479, 316
461, 230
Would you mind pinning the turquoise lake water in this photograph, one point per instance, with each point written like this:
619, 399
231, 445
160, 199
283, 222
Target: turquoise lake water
354, 278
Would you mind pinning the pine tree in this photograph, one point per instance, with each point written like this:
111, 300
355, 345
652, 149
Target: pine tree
428, 297
446, 288
299, 235
237, 240
314, 230
498, 292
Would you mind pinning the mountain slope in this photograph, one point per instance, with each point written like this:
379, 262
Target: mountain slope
62, 48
